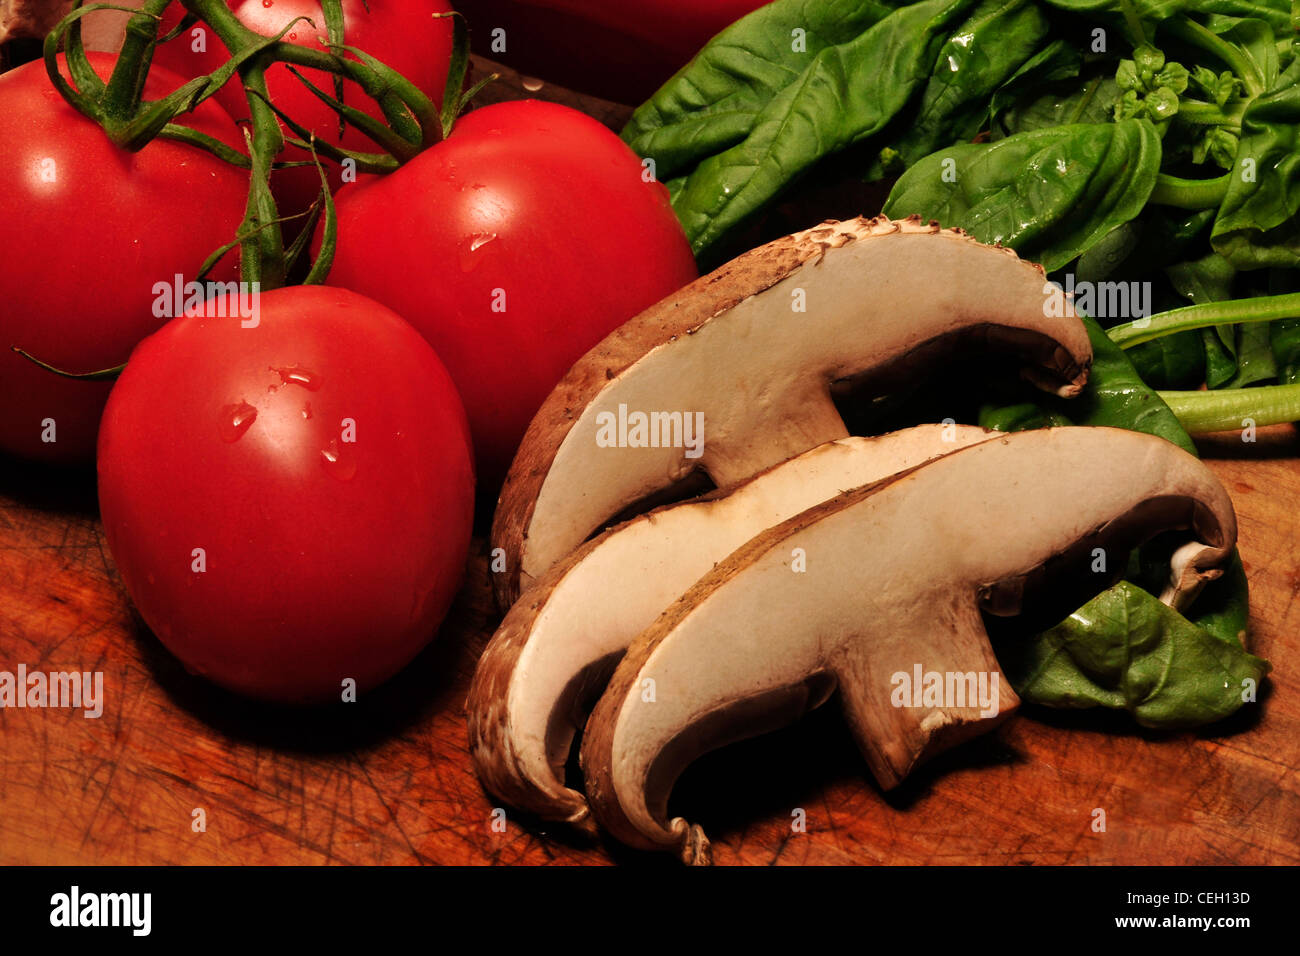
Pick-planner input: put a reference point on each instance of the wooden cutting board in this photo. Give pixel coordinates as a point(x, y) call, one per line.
point(388, 779)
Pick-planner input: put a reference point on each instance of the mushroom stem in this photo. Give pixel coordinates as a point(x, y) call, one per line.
point(894, 739)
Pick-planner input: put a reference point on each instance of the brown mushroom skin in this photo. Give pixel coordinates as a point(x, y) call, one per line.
point(986, 522)
point(959, 289)
point(547, 663)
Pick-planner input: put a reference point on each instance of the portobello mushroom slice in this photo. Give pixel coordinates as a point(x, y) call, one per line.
point(733, 374)
point(547, 663)
point(897, 574)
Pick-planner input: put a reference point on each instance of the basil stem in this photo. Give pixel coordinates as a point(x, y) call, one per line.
point(1266, 308)
point(1190, 193)
point(1231, 409)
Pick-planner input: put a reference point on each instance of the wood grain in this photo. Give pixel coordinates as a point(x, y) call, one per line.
point(388, 780)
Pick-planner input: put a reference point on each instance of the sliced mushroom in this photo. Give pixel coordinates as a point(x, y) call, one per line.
point(549, 659)
point(754, 348)
point(896, 576)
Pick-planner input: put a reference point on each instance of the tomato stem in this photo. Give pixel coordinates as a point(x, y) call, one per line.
point(413, 121)
point(125, 88)
point(365, 162)
point(99, 376)
point(333, 11)
point(83, 97)
point(261, 254)
point(184, 134)
point(320, 269)
point(381, 134)
point(453, 102)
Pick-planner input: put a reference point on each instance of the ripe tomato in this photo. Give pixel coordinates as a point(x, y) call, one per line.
point(88, 230)
point(620, 51)
point(400, 33)
point(289, 505)
point(514, 246)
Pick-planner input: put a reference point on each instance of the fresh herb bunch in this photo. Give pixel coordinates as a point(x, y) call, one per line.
point(1152, 140)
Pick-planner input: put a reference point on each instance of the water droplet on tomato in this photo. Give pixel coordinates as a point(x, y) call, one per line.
point(306, 410)
point(235, 420)
point(292, 36)
point(340, 461)
point(296, 375)
point(268, 3)
point(470, 245)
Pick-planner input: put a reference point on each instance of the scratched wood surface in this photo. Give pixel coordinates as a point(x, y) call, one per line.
point(388, 780)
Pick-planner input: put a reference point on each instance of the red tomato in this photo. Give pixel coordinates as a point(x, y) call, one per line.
point(400, 33)
point(88, 230)
point(320, 461)
point(620, 51)
point(514, 246)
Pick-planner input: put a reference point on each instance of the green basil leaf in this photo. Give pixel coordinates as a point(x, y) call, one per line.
point(1051, 194)
point(1059, 60)
point(1021, 417)
point(1255, 359)
point(1125, 650)
point(1258, 224)
point(1172, 361)
point(979, 55)
point(1286, 350)
point(1276, 13)
point(1164, 236)
point(1148, 61)
point(1109, 253)
point(848, 93)
point(1254, 39)
point(1208, 279)
point(1090, 100)
point(1220, 355)
point(712, 103)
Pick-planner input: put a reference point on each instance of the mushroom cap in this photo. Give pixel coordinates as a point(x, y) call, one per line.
point(748, 355)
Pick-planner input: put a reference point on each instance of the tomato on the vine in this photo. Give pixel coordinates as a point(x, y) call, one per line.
point(403, 34)
point(514, 246)
point(90, 229)
point(289, 504)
